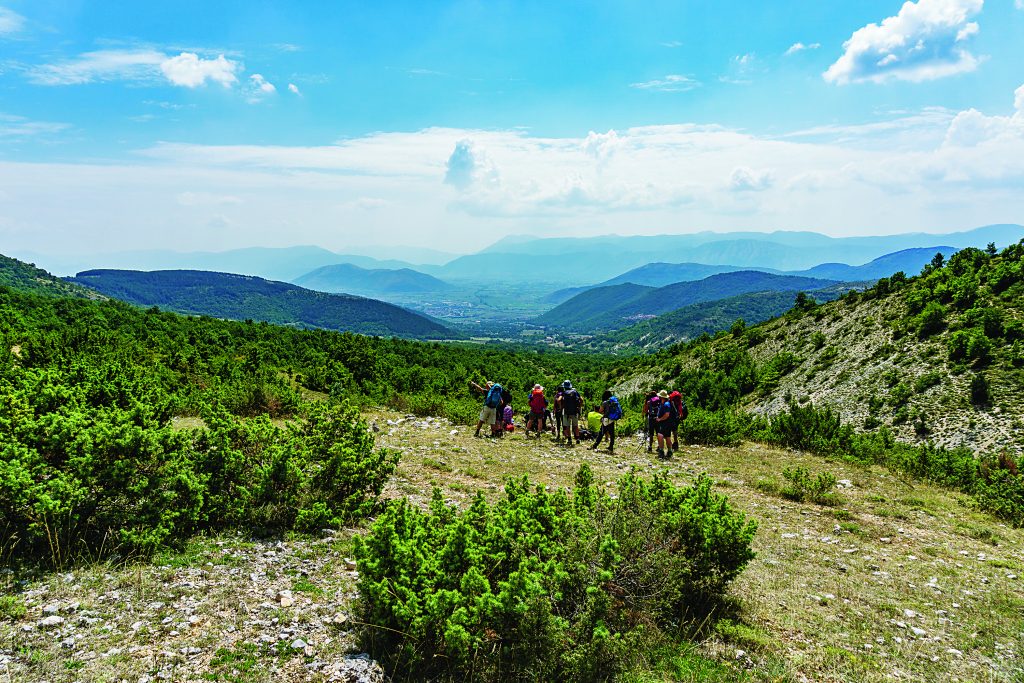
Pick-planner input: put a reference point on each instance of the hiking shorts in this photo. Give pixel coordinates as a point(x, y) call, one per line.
point(488, 415)
point(537, 417)
point(664, 428)
point(570, 421)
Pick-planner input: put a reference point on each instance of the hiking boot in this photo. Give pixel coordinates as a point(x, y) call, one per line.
point(661, 453)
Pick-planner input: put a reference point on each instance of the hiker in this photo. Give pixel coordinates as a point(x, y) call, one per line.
point(666, 414)
point(507, 424)
point(571, 404)
point(538, 407)
point(594, 420)
point(610, 412)
point(558, 414)
point(492, 402)
point(651, 402)
point(680, 406)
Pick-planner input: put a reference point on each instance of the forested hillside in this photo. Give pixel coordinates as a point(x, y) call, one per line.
point(934, 358)
point(243, 297)
point(694, 320)
point(618, 306)
point(27, 278)
point(351, 279)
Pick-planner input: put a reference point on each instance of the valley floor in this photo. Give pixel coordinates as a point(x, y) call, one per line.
point(899, 581)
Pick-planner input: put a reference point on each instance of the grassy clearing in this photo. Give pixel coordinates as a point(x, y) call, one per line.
point(896, 580)
point(892, 576)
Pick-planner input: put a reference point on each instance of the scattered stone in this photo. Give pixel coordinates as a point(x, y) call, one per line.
point(285, 599)
point(51, 621)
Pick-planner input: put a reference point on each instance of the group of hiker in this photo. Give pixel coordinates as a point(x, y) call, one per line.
point(662, 412)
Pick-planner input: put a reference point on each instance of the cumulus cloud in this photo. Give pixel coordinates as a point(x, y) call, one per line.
point(190, 70)
point(971, 128)
point(294, 89)
point(187, 69)
point(746, 179)
point(670, 83)
point(799, 47)
point(924, 41)
point(601, 145)
point(468, 167)
point(10, 22)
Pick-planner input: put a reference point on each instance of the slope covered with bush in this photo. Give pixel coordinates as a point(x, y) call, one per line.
point(605, 308)
point(244, 297)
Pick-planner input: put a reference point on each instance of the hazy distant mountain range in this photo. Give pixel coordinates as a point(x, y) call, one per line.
point(618, 306)
point(577, 261)
point(242, 297)
point(565, 262)
point(910, 261)
point(345, 277)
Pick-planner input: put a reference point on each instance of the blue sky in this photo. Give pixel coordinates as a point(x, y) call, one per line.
point(197, 125)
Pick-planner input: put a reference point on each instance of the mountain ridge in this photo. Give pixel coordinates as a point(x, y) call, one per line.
point(241, 297)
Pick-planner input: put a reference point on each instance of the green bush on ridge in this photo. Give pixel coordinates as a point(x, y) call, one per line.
point(545, 585)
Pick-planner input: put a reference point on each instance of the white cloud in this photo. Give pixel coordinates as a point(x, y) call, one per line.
point(294, 89)
point(676, 43)
point(799, 47)
point(670, 83)
point(924, 41)
point(18, 127)
point(971, 128)
point(259, 89)
point(10, 22)
point(742, 68)
point(468, 166)
point(191, 198)
point(745, 179)
point(931, 170)
point(190, 70)
point(140, 65)
point(1019, 4)
point(365, 204)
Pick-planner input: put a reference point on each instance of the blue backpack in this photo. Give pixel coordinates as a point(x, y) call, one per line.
point(616, 411)
point(493, 399)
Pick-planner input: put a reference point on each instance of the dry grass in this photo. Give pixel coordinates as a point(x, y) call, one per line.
point(834, 594)
point(827, 598)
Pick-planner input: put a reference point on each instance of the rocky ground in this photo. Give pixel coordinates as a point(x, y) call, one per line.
point(898, 581)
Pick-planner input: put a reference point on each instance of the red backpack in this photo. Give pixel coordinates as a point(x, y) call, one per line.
point(538, 402)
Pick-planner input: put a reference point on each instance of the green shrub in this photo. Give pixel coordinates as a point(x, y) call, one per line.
point(801, 486)
point(714, 428)
point(927, 381)
point(545, 586)
point(931, 320)
point(981, 392)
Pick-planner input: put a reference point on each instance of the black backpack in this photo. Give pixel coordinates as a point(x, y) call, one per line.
point(571, 402)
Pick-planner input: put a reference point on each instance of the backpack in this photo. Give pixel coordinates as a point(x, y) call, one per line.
point(616, 410)
point(537, 402)
point(672, 412)
point(571, 402)
point(493, 399)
